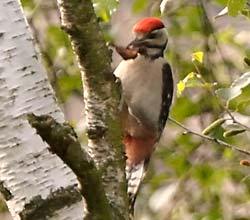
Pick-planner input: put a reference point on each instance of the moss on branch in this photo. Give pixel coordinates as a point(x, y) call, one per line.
point(39, 208)
point(101, 98)
point(63, 141)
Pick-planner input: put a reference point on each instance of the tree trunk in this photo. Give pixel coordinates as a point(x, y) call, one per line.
point(101, 98)
point(35, 183)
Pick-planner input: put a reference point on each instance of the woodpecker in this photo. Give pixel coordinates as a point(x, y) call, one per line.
point(147, 91)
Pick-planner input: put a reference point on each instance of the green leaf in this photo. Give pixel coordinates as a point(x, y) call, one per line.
point(242, 81)
point(180, 88)
point(241, 103)
point(213, 126)
point(223, 12)
point(191, 81)
point(243, 107)
point(198, 56)
point(234, 6)
point(182, 84)
point(232, 126)
point(233, 132)
point(228, 93)
point(235, 89)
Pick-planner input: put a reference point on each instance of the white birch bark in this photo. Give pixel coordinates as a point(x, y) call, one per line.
point(27, 168)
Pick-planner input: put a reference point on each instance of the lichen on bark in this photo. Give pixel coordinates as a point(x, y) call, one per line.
point(101, 98)
point(62, 141)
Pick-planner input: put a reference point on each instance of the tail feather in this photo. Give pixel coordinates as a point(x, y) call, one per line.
point(137, 149)
point(135, 175)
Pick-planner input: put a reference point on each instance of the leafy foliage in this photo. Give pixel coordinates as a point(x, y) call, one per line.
point(235, 89)
point(235, 6)
point(105, 8)
point(208, 56)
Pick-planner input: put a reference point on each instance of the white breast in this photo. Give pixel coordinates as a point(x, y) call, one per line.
point(141, 80)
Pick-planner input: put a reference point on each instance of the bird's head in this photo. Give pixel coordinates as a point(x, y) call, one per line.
point(150, 37)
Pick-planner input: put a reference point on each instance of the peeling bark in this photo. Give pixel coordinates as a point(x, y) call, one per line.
point(28, 171)
point(101, 99)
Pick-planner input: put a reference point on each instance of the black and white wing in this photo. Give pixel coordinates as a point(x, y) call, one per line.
point(167, 95)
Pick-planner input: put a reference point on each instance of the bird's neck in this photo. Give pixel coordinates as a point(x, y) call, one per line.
point(152, 51)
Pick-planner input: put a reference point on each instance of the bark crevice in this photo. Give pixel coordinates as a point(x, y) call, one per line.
point(5, 191)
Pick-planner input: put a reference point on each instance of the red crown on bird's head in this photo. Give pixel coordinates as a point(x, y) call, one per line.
point(147, 25)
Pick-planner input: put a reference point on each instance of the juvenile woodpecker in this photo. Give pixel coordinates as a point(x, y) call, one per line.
point(147, 91)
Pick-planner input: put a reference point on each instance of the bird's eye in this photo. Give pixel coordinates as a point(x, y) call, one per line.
point(152, 35)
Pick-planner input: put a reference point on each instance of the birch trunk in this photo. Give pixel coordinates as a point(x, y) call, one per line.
point(35, 183)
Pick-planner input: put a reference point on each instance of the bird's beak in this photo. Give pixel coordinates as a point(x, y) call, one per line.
point(135, 44)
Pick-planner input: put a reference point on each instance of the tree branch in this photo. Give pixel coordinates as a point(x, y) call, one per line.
point(63, 142)
point(217, 141)
point(101, 99)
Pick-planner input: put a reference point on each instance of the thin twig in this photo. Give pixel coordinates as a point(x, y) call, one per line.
point(218, 141)
point(212, 92)
point(236, 121)
point(209, 25)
